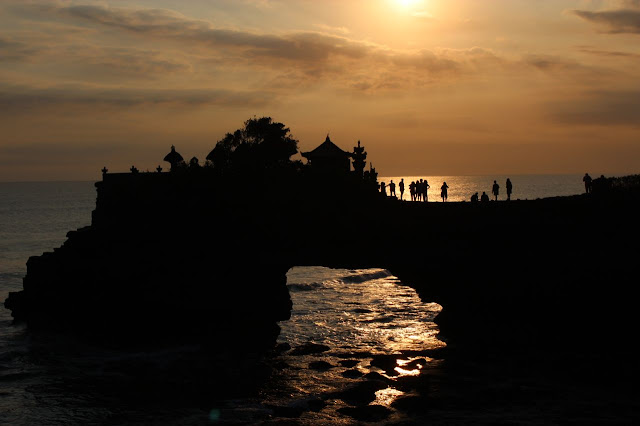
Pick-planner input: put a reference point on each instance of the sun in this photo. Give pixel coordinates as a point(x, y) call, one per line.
point(406, 4)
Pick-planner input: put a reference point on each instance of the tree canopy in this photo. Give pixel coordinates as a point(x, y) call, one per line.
point(261, 143)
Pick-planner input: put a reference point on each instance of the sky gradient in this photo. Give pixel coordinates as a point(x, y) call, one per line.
point(438, 87)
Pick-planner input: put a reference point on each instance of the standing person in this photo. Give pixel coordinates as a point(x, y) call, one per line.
point(588, 186)
point(509, 189)
point(401, 186)
point(412, 190)
point(419, 186)
point(443, 192)
point(425, 191)
point(383, 188)
point(496, 189)
point(392, 189)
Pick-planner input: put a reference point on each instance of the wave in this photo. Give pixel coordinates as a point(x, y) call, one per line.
point(365, 276)
point(383, 319)
point(304, 287)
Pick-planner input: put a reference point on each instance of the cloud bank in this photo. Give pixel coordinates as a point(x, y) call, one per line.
point(308, 55)
point(616, 21)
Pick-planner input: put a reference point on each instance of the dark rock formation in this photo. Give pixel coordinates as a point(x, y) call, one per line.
point(194, 253)
point(352, 374)
point(361, 393)
point(320, 365)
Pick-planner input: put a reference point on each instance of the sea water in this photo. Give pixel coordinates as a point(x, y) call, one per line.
point(356, 314)
point(525, 187)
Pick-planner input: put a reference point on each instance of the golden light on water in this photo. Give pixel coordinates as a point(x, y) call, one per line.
point(408, 367)
point(386, 396)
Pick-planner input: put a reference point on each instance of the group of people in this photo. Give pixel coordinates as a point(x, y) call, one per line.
point(599, 185)
point(419, 190)
point(495, 190)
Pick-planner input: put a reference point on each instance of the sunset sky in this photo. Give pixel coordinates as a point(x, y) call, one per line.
point(439, 87)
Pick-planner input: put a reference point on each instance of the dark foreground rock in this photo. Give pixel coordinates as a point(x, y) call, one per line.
point(361, 393)
point(368, 413)
point(320, 365)
point(352, 374)
point(537, 388)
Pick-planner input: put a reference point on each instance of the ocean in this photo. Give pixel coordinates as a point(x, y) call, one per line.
point(525, 187)
point(361, 316)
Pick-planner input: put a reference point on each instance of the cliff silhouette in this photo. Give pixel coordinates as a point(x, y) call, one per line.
point(195, 252)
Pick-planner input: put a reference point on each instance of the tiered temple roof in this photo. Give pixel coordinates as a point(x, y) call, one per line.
point(326, 150)
point(329, 157)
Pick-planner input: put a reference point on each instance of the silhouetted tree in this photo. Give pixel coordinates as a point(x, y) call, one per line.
point(261, 143)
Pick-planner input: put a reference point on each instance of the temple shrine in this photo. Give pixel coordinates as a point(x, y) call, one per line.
point(328, 157)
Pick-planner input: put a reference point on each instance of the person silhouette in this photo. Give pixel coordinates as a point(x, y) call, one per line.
point(383, 188)
point(474, 198)
point(588, 183)
point(401, 187)
point(412, 190)
point(443, 191)
point(425, 191)
point(392, 189)
point(484, 198)
point(509, 189)
point(496, 189)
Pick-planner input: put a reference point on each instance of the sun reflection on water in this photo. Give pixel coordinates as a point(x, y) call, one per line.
point(386, 397)
point(368, 320)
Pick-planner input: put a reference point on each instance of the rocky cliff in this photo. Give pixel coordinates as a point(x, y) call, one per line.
point(170, 255)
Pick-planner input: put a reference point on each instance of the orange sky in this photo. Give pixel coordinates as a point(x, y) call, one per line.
point(429, 86)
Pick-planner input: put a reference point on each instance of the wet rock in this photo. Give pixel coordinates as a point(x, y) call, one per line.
point(369, 413)
point(411, 404)
point(411, 383)
point(362, 311)
point(352, 374)
point(388, 363)
point(320, 365)
point(287, 411)
point(349, 363)
point(377, 377)
point(317, 405)
point(361, 393)
point(282, 422)
point(281, 365)
point(437, 353)
point(282, 348)
point(415, 364)
point(309, 349)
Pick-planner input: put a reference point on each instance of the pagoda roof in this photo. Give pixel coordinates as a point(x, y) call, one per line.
point(326, 149)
